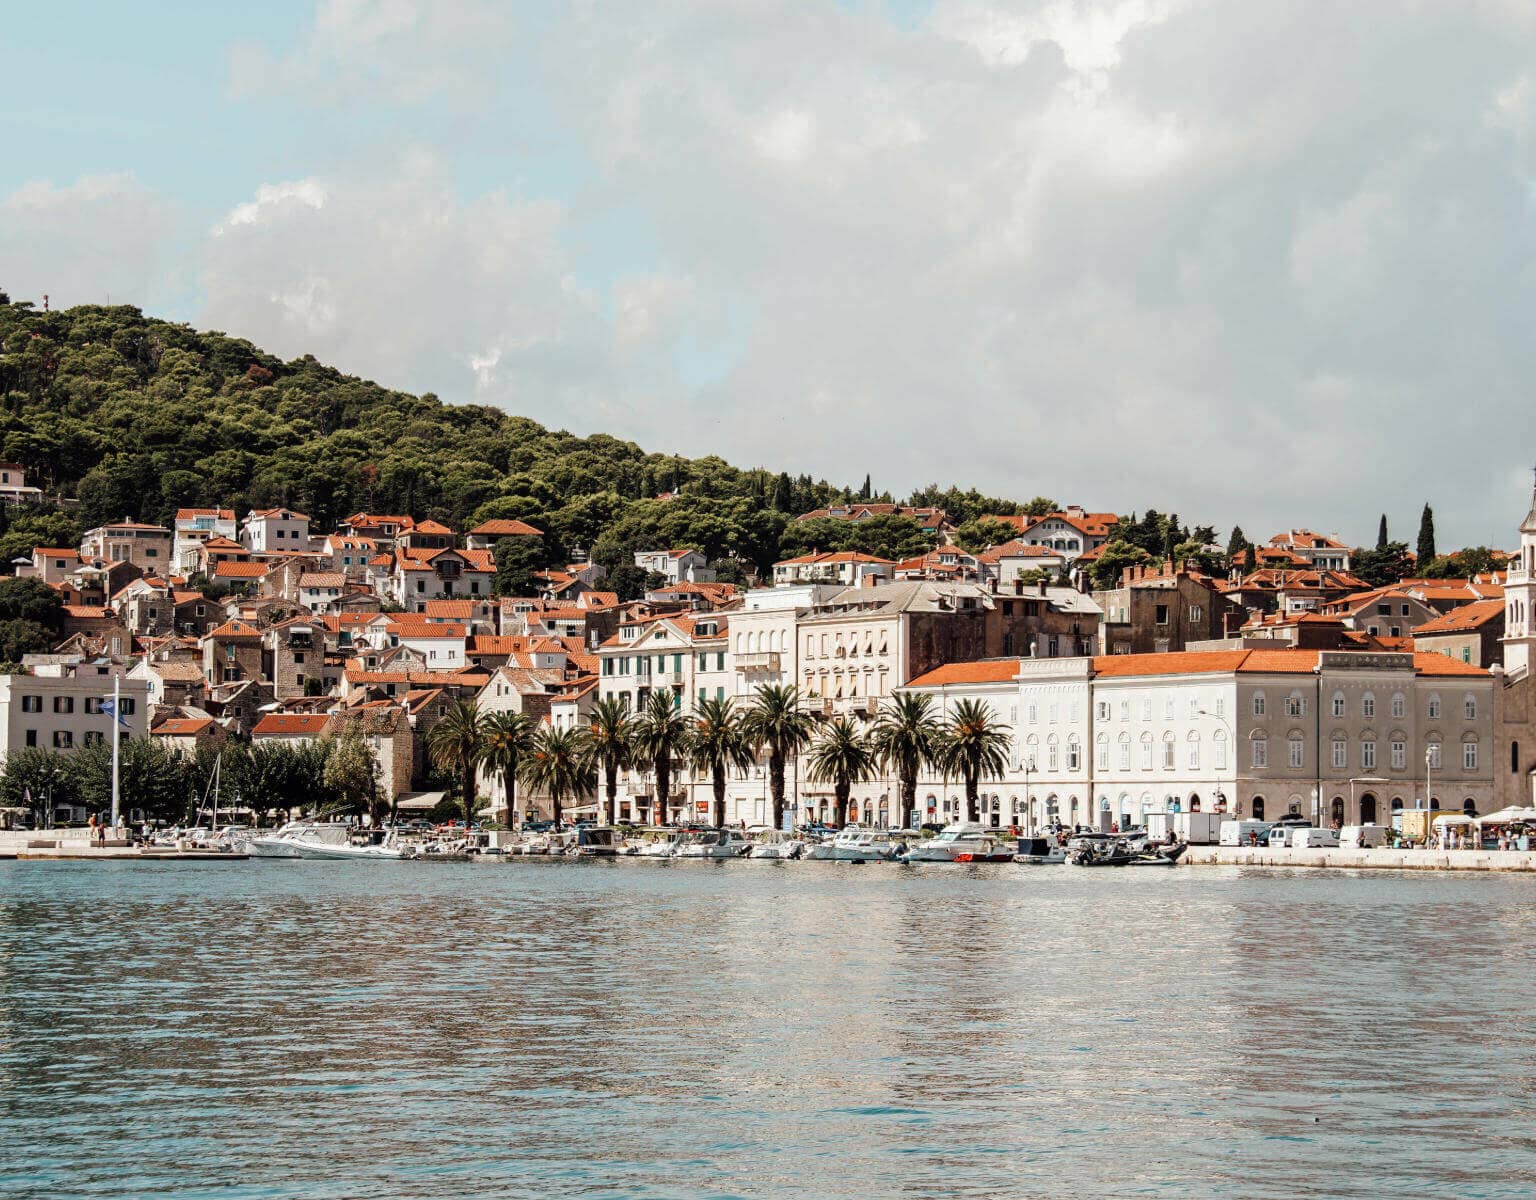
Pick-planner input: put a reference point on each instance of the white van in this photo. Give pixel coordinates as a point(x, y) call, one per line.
point(1310, 837)
point(1242, 833)
point(1363, 837)
point(1281, 835)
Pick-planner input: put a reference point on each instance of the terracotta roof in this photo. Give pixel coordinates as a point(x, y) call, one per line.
point(987, 670)
point(74, 554)
point(427, 630)
point(182, 727)
point(841, 556)
point(218, 514)
point(293, 515)
point(83, 612)
point(239, 570)
point(181, 672)
point(433, 527)
point(323, 579)
point(507, 528)
point(1468, 616)
point(235, 629)
point(463, 609)
point(135, 525)
point(291, 725)
point(497, 645)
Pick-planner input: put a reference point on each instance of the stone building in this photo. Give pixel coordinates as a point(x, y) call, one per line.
point(1158, 609)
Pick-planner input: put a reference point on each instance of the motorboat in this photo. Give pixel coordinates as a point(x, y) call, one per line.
point(986, 852)
point(597, 841)
point(1038, 852)
point(661, 847)
point(712, 843)
point(854, 844)
point(775, 843)
point(287, 841)
point(1124, 852)
point(954, 840)
point(375, 845)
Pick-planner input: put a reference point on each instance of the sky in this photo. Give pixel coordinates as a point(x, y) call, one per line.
point(1268, 263)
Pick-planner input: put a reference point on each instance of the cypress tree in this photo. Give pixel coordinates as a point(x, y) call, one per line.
point(1170, 536)
point(867, 490)
point(1426, 535)
point(1381, 533)
point(1237, 544)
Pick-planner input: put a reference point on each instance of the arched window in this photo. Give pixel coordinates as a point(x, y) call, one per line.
point(1469, 752)
point(1432, 756)
point(1193, 751)
point(1220, 737)
point(1074, 753)
point(1336, 810)
point(1194, 803)
point(1125, 751)
point(1051, 753)
point(1146, 752)
point(1469, 807)
point(1433, 707)
point(1258, 748)
point(1399, 707)
point(1295, 750)
point(1367, 809)
point(1469, 706)
point(1170, 752)
point(1368, 705)
point(1101, 752)
point(1338, 704)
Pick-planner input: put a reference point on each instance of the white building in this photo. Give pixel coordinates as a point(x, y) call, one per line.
point(57, 706)
point(676, 565)
point(275, 529)
point(193, 528)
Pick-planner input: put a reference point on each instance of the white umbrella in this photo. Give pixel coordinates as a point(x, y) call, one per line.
point(1507, 816)
point(1448, 819)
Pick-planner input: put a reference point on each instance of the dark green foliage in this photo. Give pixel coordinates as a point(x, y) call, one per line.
point(1384, 565)
point(982, 532)
point(1475, 560)
point(1426, 546)
point(895, 538)
point(1238, 544)
point(1381, 533)
point(1118, 554)
point(31, 618)
point(517, 558)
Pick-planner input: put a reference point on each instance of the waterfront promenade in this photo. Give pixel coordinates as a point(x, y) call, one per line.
point(1375, 859)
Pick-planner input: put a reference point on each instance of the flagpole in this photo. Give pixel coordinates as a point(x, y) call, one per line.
point(117, 721)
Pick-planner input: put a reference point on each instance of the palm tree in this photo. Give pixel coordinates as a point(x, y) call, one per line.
point(457, 743)
point(561, 765)
point(608, 742)
point(509, 738)
point(842, 756)
point(717, 743)
point(907, 737)
point(775, 722)
point(975, 743)
point(659, 731)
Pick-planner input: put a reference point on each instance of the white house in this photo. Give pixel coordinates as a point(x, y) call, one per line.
point(272, 529)
point(676, 565)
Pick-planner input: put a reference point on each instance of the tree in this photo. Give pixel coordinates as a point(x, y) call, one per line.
point(729, 570)
point(983, 532)
point(867, 490)
point(1381, 533)
point(630, 582)
point(1426, 547)
point(1239, 545)
point(517, 558)
point(509, 738)
point(36, 779)
point(150, 778)
point(659, 733)
point(1384, 565)
point(31, 600)
point(975, 744)
point(906, 738)
point(351, 775)
point(1116, 556)
point(841, 755)
point(560, 766)
point(716, 744)
point(1041, 506)
point(456, 744)
point(776, 723)
point(609, 743)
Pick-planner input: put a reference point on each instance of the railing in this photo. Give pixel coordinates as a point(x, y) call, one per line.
point(767, 660)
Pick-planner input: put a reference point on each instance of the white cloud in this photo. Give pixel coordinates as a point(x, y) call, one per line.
point(271, 196)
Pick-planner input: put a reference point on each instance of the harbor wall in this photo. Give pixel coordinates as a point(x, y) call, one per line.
point(1355, 860)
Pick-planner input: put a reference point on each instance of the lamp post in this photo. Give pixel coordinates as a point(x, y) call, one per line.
point(1029, 804)
point(1429, 787)
point(1232, 741)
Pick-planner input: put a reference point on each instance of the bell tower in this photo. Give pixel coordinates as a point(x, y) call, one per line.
point(1519, 600)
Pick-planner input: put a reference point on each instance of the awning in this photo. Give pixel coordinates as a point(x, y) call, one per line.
point(1451, 819)
point(1506, 816)
point(419, 801)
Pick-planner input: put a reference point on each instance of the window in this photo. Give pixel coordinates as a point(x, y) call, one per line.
point(1101, 710)
point(32, 704)
point(1295, 705)
point(63, 704)
point(1194, 613)
point(127, 705)
point(94, 737)
point(1340, 754)
point(1399, 755)
point(1367, 756)
point(1194, 752)
point(1258, 704)
point(92, 705)
point(1221, 706)
point(1168, 709)
point(1125, 752)
point(1125, 710)
point(1101, 753)
point(1295, 752)
point(1146, 752)
point(1469, 707)
point(1432, 757)
point(1051, 754)
point(63, 739)
point(1074, 754)
point(1469, 755)
point(1338, 704)
point(1146, 710)
point(1399, 705)
point(1260, 752)
point(1034, 714)
point(1434, 706)
point(31, 737)
point(1162, 614)
point(1368, 705)
point(1169, 753)
point(1221, 749)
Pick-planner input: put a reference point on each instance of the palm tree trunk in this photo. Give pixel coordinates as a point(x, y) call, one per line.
point(908, 800)
point(509, 785)
point(554, 797)
point(972, 809)
point(469, 794)
point(776, 786)
point(663, 768)
point(719, 785)
point(611, 773)
point(840, 794)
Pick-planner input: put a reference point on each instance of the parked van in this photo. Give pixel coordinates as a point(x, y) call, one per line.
point(1243, 833)
point(1362, 837)
point(1282, 836)
point(1310, 838)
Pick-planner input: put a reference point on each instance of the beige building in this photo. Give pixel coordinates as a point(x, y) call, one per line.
point(147, 547)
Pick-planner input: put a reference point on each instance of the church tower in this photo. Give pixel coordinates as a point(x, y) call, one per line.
point(1520, 600)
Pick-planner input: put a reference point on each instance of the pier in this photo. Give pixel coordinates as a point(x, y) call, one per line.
point(41, 846)
point(1379, 859)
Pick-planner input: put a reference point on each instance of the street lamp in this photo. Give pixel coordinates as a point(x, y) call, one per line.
point(1220, 798)
point(1429, 787)
point(1029, 805)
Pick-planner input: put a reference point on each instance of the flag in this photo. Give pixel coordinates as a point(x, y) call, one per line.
point(109, 709)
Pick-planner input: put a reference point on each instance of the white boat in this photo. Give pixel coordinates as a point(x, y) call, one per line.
point(657, 848)
point(287, 840)
point(597, 841)
point(378, 844)
point(775, 843)
point(712, 843)
point(1039, 852)
point(856, 845)
point(960, 837)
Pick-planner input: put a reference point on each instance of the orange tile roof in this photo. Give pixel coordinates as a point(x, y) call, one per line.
point(450, 608)
point(322, 579)
point(235, 629)
point(508, 528)
point(293, 514)
point(987, 670)
point(182, 727)
point(240, 570)
point(291, 725)
point(432, 527)
point(1468, 616)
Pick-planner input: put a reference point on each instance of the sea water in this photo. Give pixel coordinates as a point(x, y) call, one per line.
point(719, 1029)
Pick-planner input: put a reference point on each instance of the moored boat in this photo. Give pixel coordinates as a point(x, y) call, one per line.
point(854, 844)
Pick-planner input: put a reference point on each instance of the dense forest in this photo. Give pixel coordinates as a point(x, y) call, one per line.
point(137, 417)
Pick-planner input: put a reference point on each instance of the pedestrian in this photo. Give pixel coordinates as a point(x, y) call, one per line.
point(90, 826)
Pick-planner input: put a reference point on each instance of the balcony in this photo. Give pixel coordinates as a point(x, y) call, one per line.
point(767, 660)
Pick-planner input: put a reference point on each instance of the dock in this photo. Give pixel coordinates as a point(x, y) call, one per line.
point(1378, 859)
point(39, 847)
